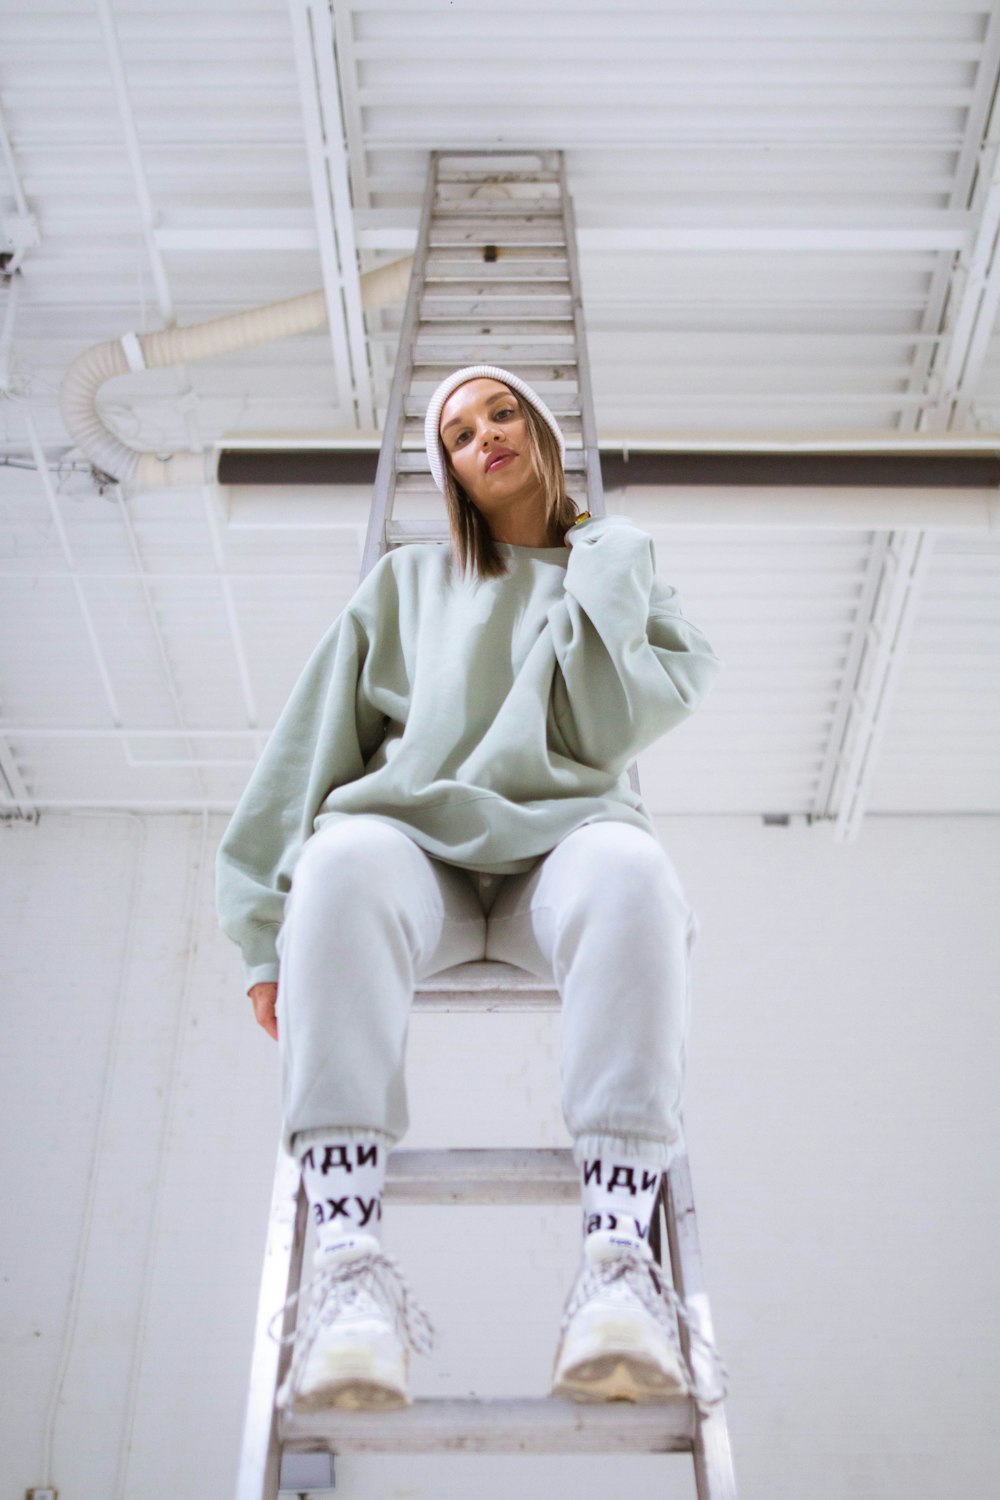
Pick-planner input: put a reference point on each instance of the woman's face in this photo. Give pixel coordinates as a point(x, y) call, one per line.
point(480, 419)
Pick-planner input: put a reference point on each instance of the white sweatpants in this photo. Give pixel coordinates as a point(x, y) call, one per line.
point(602, 914)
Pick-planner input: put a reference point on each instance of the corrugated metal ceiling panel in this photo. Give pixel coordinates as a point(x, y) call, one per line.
point(769, 204)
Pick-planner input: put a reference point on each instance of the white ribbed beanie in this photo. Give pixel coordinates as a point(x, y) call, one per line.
point(432, 439)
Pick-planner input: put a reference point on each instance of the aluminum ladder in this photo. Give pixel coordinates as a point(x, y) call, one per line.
point(496, 281)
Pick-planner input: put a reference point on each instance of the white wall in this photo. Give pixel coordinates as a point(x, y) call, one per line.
point(842, 1122)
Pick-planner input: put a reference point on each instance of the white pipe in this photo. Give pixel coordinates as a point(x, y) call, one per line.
point(813, 508)
point(150, 351)
point(737, 508)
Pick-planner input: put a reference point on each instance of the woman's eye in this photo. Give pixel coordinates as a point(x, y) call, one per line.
point(509, 410)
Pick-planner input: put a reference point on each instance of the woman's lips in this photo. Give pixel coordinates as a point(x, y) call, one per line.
point(507, 458)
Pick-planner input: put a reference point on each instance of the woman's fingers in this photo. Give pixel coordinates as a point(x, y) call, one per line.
point(264, 998)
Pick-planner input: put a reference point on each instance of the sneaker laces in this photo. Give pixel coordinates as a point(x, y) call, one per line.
point(338, 1283)
point(632, 1269)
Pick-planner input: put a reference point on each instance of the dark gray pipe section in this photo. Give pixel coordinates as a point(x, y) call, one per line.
point(356, 466)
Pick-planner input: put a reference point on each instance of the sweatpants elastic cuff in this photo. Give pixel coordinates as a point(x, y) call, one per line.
point(658, 1154)
point(301, 1140)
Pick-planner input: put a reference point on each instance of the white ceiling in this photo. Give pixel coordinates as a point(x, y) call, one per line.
point(787, 223)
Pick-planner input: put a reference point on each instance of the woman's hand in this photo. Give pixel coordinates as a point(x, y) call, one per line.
point(581, 518)
point(264, 999)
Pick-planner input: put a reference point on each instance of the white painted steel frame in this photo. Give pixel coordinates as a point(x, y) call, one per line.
point(320, 89)
point(19, 800)
point(964, 302)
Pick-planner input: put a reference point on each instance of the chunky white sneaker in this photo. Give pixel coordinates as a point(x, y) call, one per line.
point(351, 1345)
point(619, 1339)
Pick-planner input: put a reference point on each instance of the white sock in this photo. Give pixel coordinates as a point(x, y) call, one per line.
point(344, 1180)
point(618, 1193)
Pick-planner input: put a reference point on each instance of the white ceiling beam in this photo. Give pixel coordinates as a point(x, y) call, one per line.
point(667, 13)
point(899, 563)
point(899, 576)
point(975, 297)
point(391, 234)
point(219, 238)
point(741, 507)
point(354, 125)
point(621, 238)
point(140, 186)
point(387, 229)
point(78, 577)
point(336, 240)
point(185, 398)
point(131, 804)
point(657, 89)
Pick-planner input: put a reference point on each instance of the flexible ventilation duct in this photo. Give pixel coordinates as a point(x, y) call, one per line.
point(152, 351)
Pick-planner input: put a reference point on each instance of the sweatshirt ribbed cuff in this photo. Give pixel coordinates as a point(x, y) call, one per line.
point(260, 956)
point(260, 974)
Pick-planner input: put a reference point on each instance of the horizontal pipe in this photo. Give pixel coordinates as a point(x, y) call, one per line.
point(285, 507)
point(636, 468)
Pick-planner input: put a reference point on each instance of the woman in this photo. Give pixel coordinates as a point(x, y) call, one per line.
point(448, 782)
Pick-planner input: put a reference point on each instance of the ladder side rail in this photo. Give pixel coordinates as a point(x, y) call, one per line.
point(713, 1461)
point(588, 421)
point(260, 1456)
point(376, 540)
point(260, 1452)
point(595, 483)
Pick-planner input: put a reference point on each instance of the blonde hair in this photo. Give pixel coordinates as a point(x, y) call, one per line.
point(471, 542)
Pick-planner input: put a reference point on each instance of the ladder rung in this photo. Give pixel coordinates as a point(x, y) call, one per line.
point(539, 176)
point(540, 1174)
point(525, 262)
point(417, 464)
point(493, 349)
point(401, 533)
point(484, 983)
point(572, 429)
point(499, 287)
point(491, 279)
point(419, 491)
point(539, 179)
point(558, 372)
point(512, 230)
point(487, 210)
point(546, 1424)
point(490, 163)
point(480, 302)
point(516, 330)
point(561, 397)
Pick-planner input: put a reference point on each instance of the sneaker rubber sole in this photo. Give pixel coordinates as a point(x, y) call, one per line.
point(613, 1362)
point(353, 1379)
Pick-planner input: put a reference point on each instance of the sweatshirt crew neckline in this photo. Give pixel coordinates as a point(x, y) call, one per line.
point(512, 549)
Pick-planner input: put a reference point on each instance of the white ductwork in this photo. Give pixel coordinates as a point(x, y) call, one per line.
point(151, 351)
point(969, 510)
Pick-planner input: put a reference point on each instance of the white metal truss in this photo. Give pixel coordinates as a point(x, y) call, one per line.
point(345, 61)
point(900, 561)
point(319, 89)
point(18, 802)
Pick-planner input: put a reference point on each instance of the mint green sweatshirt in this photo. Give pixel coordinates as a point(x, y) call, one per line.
point(485, 718)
